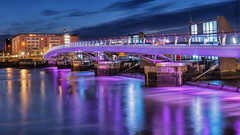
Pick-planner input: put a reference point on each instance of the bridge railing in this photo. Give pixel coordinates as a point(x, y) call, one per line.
point(162, 40)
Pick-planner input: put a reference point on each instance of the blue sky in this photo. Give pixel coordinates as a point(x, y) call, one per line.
point(99, 18)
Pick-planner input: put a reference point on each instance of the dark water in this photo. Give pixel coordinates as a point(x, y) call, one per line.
point(229, 82)
point(51, 101)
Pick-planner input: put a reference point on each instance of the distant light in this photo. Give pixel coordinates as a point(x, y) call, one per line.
point(234, 41)
point(194, 56)
point(167, 41)
point(22, 53)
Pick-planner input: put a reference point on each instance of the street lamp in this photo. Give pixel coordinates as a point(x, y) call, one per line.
point(23, 54)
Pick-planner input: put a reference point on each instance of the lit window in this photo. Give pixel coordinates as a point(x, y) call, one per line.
point(194, 29)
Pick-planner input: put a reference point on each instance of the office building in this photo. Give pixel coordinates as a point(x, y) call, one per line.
point(37, 44)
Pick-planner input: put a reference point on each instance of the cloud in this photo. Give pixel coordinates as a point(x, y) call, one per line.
point(160, 7)
point(174, 22)
point(49, 12)
point(77, 13)
point(127, 5)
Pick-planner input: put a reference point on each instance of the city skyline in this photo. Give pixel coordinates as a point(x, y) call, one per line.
point(95, 19)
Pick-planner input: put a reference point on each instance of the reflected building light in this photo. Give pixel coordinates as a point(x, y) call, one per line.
point(197, 116)
point(180, 121)
point(215, 119)
point(166, 120)
point(24, 92)
point(9, 85)
point(42, 88)
point(9, 73)
point(134, 108)
point(101, 105)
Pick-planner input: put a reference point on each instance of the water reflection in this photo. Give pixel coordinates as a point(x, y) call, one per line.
point(197, 115)
point(134, 108)
point(180, 121)
point(24, 93)
point(215, 117)
point(52, 101)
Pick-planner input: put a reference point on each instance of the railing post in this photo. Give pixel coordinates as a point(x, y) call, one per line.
point(164, 40)
point(135, 41)
point(115, 42)
point(110, 42)
point(189, 40)
point(176, 40)
point(234, 40)
point(224, 39)
point(105, 42)
point(144, 40)
point(205, 40)
point(153, 40)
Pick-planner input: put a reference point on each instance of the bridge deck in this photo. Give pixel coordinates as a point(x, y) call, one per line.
point(200, 50)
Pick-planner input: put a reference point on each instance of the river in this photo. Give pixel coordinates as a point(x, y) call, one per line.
point(52, 101)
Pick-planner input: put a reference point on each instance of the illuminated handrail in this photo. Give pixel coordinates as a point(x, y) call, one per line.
point(173, 40)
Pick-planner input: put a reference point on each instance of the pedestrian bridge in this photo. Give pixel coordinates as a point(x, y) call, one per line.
point(223, 47)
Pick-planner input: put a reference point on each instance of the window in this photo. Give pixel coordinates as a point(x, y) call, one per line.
point(210, 27)
point(194, 29)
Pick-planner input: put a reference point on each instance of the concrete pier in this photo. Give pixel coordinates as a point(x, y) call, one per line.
point(81, 66)
point(166, 74)
point(228, 68)
point(106, 68)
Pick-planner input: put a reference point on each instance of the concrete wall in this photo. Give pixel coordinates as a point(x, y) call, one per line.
point(106, 69)
point(228, 67)
point(164, 76)
point(144, 63)
point(223, 25)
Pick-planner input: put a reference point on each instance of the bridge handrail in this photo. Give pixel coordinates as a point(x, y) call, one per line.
point(187, 40)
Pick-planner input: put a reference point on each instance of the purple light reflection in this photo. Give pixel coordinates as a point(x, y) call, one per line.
point(166, 120)
point(180, 121)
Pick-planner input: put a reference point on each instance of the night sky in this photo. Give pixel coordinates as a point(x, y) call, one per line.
point(94, 19)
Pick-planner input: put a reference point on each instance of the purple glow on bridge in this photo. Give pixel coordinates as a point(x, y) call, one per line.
point(229, 47)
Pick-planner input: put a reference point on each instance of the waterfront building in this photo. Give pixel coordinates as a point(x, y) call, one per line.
point(210, 31)
point(37, 44)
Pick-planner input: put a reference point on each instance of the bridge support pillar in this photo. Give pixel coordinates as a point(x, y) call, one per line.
point(167, 74)
point(106, 68)
point(228, 68)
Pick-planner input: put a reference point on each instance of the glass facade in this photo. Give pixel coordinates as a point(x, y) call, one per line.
point(210, 27)
point(209, 31)
point(194, 29)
